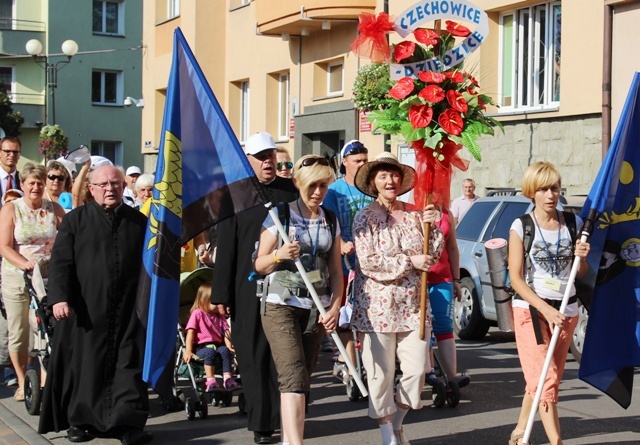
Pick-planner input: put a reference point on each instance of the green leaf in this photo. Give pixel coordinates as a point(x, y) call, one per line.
point(469, 141)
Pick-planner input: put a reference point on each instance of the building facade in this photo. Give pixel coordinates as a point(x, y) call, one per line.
point(86, 96)
point(287, 68)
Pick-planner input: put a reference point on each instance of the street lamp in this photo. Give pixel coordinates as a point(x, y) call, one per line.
point(69, 49)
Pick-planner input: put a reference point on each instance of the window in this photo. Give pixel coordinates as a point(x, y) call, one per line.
point(334, 78)
point(244, 111)
point(283, 106)
point(239, 3)
point(108, 17)
point(112, 150)
point(167, 10)
point(6, 14)
point(106, 88)
point(530, 41)
point(7, 80)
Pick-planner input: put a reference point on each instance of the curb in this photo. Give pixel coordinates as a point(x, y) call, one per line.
point(21, 428)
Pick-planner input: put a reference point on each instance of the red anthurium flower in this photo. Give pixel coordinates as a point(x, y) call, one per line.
point(481, 103)
point(431, 76)
point(432, 93)
point(457, 29)
point(426, 36)
point(472, 79)
point(420, 115)
point(402, 88)
point(454, 76)
point(471, 90)
point(403, 50)
point(451, 121)
point(456, 101)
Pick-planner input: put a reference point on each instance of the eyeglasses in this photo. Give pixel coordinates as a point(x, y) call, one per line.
point(103, 185)
point(284, 165)
point(10, 152)
point(53, 177)
point(357, 149)
point(310, 161)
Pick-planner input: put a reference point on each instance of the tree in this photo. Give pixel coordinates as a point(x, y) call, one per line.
point(10, 121)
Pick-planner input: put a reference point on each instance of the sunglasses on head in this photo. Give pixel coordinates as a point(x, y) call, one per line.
point(357, 150)
point(53, 177)
point(310, 161)
point(284, 165)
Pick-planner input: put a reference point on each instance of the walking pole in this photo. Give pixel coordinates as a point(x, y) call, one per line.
point(318, 303)
point(554, 338)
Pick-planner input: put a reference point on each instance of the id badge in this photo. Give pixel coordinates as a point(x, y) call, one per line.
point(314, 276)
point(552, 283)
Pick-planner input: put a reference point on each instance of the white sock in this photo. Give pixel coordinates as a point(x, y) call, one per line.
point(388, 437)
point(286, 443)
point(398, 418)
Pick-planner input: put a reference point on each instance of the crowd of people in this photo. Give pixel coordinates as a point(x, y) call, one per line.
point(83, 229)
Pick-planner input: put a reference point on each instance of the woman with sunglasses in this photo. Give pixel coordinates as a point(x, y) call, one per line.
point(289, 321)
point(58, 181)
point(28, 228)
point(284, 166)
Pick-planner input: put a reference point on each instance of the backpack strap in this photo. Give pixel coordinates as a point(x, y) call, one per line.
point(570, 221)
point(284, 216)
point(332, 220)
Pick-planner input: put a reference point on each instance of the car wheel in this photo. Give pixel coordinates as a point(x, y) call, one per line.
point(468, 322)
point(577, 342)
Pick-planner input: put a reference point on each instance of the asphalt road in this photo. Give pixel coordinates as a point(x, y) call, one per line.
point(486, 414)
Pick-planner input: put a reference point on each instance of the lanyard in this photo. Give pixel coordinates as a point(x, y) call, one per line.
point(306, 227)
point(552, 259)
point(360, 203)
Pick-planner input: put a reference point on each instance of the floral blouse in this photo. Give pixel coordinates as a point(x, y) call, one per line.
point(387, 286)
point(34, 232)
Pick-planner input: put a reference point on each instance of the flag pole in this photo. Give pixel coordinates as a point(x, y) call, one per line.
point(318, 303)
point(586, 232)
point(424, 288)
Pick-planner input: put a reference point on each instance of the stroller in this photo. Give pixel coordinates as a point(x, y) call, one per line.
point(193, 372)
point(443, 389)
point(36, 286)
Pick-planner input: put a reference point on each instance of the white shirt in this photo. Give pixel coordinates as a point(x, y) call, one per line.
point(460, 206)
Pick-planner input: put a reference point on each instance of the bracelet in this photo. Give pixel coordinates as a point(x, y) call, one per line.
point(275, 256)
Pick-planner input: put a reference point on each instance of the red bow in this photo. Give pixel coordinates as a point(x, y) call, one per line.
point(371, 41)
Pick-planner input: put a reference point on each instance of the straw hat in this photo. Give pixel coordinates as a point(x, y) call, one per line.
point(362, 180)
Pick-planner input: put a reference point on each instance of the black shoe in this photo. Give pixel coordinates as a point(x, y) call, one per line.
point(262, 436)
point(76, 434)
point(462, 380)
point(136, 437)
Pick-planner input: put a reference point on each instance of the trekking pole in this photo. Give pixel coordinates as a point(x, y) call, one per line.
point(319, 306)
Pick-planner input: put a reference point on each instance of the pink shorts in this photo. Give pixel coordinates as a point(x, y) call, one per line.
point(533, 355)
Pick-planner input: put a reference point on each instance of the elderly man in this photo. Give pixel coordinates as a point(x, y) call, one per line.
point(231, 286)
point(94, 379)
point(460, 206)
point(130, 193)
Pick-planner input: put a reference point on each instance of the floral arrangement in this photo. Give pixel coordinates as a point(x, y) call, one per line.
point(52, 142)
point(436, 111)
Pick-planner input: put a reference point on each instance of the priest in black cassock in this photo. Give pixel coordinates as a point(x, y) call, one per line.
point(231, 287)
point(94, 381)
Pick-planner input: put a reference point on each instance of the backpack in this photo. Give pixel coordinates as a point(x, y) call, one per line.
point(527, 241)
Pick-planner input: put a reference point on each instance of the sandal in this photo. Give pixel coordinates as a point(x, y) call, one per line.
point(19, 395)
point(230, 383)
point(515, 437)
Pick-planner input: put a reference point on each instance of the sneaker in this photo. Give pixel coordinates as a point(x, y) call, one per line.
point(211, 386)
point(432, 379)
point(341, 371)
point(462, 380)
point(230, 383)
point(11, 380)
point(326, 345)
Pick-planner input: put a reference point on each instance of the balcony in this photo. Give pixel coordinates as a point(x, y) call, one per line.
point(14, 34)
point(276, 16)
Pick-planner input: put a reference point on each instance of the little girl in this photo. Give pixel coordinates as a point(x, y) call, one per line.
point(208, 332)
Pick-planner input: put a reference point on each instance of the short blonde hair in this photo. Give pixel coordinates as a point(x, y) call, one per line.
point(539, 175)
point(305, 176)
point(37, 171)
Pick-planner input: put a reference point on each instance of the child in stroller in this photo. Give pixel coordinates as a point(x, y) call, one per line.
point(209, 333)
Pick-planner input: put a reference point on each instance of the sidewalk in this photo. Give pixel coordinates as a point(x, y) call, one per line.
point(13, 431)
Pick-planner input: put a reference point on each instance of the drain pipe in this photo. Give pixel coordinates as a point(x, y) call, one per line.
point(606, 78)
point(387, 137)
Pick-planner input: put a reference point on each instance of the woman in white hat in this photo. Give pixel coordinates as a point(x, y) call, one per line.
point(389, 243)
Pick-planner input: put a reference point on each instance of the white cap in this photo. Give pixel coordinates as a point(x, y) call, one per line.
point(99, 161)
point(133, 170)
point(259, 142)
point(70, 166)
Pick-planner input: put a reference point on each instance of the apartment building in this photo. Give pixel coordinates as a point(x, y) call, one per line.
point(85, 94)
point(286, 68)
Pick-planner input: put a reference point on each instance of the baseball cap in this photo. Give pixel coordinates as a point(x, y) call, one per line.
point(353, 147)
point(133, 170)
point(70, 166)
point(99, 161)
point(259, 142)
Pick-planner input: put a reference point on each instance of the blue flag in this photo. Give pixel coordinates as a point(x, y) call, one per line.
point(612, 344)
point(202, 177)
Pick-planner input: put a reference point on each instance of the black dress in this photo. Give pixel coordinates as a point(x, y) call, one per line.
point(236, 242)
point(94, 376)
